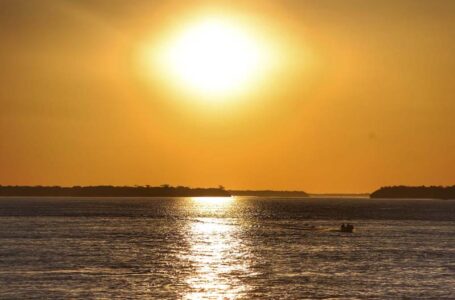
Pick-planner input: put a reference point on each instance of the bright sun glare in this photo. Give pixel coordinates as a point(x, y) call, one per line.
point(214, 57)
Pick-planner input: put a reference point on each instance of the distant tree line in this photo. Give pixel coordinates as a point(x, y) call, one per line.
point(113, 191)
point(424, 192)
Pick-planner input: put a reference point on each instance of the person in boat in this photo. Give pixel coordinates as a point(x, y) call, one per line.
point(346, 227)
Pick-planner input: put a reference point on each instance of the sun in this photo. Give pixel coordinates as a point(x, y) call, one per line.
point(214, 57)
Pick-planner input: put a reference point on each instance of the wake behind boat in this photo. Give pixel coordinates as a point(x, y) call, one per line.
point(345, 227)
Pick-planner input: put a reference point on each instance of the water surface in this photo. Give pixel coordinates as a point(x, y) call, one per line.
point(225, 248)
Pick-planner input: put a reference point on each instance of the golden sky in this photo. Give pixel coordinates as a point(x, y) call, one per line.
point(360, 94)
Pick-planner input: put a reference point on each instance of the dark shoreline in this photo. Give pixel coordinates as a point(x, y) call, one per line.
point(415, 192)
point(392, 192)
point(111, 191)
point(137, 191)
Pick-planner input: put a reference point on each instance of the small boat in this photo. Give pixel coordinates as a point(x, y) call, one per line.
point(347, 228)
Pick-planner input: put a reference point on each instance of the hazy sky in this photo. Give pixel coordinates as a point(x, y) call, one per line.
point(365, 98)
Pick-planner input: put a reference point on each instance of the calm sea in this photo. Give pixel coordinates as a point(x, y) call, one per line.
point(226, 248)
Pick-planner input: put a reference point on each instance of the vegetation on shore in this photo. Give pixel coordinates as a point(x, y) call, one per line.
point(113, 191)
point(138, 191)
point(413, 192)
point(423, 192)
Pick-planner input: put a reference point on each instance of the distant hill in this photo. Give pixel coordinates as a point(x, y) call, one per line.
point(268, 193)
point(424, 192)
point(112, 191)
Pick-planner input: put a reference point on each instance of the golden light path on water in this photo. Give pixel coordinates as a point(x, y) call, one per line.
point(216, 252)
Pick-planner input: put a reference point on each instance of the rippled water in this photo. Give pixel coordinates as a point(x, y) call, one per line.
point(225, 248)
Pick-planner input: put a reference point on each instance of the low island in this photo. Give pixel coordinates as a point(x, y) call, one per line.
point(112, 191)
point(415, 192)
point(137, 191)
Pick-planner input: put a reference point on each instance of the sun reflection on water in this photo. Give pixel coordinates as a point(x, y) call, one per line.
point(217, 254)
point(212, 201)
